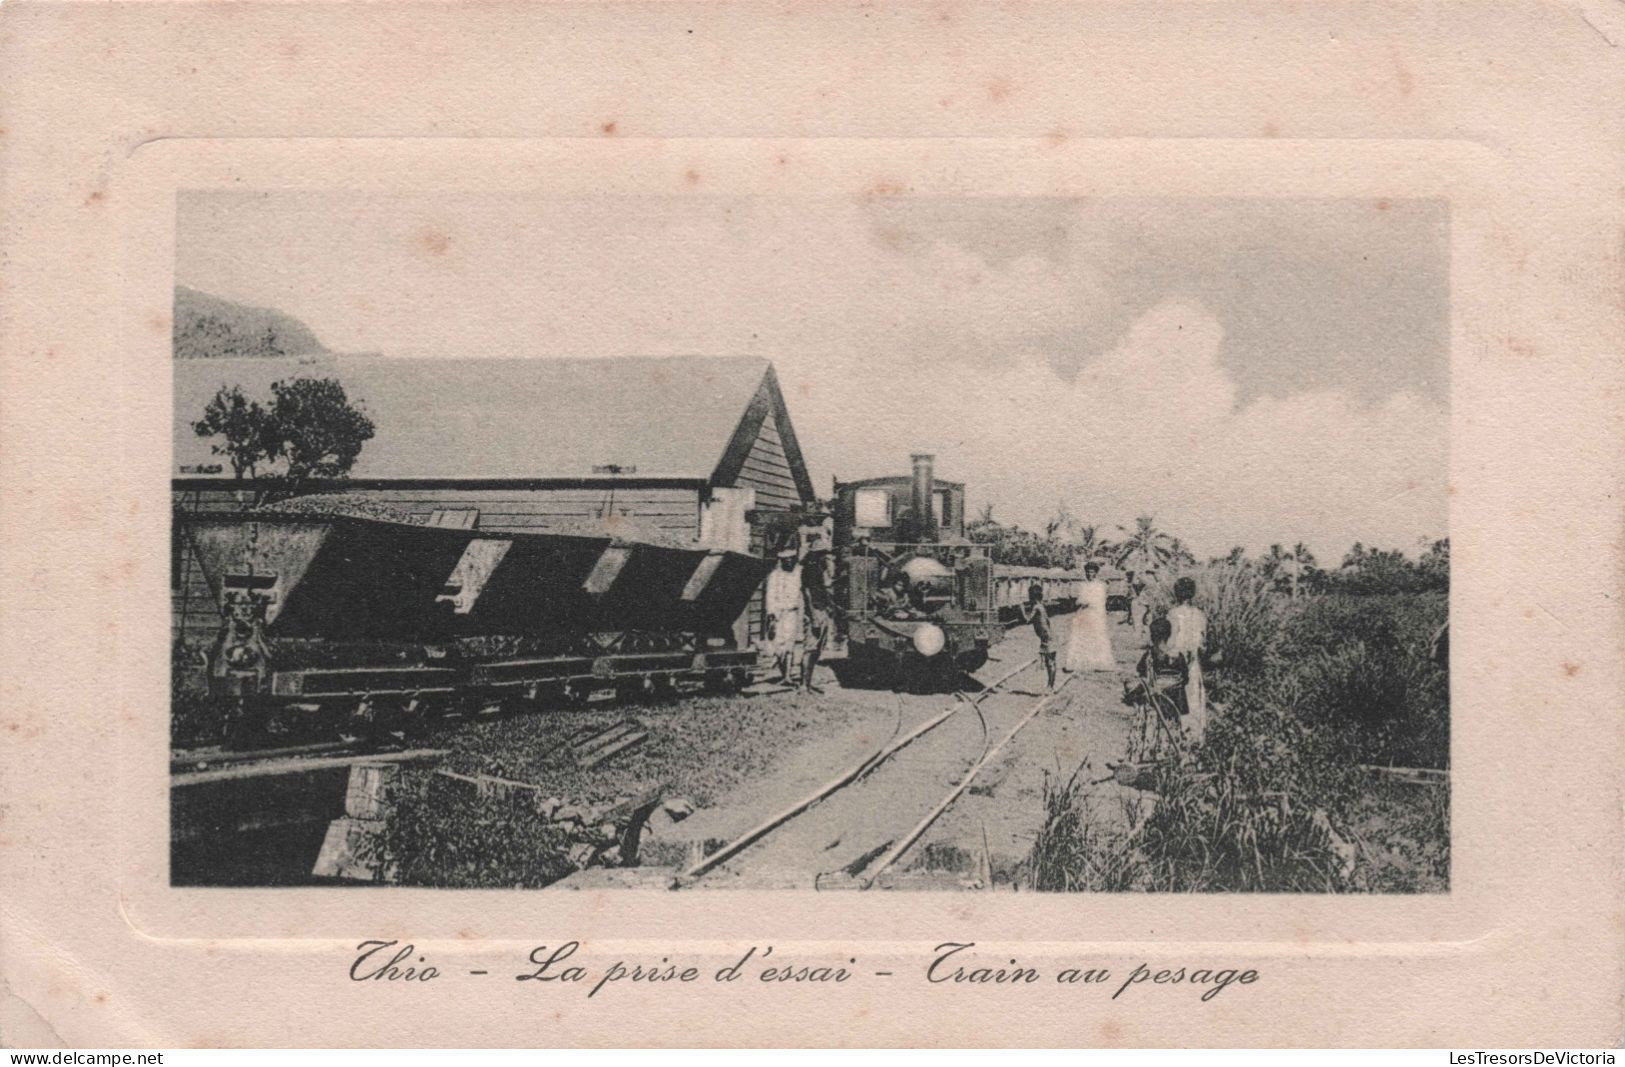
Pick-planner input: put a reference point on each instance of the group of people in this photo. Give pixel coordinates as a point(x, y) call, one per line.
point(1170, 668)
point(799, 608)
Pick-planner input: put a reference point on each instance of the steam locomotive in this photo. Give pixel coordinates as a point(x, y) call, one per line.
point(918, 604)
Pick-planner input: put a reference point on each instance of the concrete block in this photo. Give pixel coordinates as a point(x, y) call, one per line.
point(347, 851)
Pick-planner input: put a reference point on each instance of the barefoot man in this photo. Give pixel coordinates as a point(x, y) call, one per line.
point(818, 611)
point(1033, 611)
point(784, 606)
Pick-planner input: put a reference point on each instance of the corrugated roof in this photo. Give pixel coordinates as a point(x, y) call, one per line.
point(504, 418)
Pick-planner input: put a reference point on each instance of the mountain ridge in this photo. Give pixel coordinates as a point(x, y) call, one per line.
point(212, 327)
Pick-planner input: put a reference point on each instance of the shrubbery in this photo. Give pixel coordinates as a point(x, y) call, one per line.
point(1275, 798)
point(437, 836)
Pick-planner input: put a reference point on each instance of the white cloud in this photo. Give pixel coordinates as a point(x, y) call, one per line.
point(1153, 427)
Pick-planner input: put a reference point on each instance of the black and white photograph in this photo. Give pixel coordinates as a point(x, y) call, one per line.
point(920, 525)
point(899, 542)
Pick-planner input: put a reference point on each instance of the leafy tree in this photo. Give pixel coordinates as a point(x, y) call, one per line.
point(310, 424)
point(318, 431)
point(1179, 554)
point(1375, 571)
point(248, 429)
point(1020, 548)
point(1434, 566)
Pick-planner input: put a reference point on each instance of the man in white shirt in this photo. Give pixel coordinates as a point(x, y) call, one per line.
point(784, 613)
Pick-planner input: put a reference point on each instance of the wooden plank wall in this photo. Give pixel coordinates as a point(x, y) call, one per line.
point(766, 470)
point(195, 618)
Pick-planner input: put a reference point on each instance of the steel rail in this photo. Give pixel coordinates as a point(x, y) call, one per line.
point(862, 768)
point(947, 801)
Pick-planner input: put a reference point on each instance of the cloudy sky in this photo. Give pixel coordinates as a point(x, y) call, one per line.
point(1246, 371)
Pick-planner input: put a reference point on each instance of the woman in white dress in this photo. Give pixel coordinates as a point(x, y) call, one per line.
point(1088, 648)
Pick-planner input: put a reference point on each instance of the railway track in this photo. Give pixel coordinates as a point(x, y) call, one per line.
point(854, 828)
point(187, 759)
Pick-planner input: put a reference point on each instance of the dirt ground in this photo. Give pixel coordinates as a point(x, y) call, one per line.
point(700, 748)
point(990, 827)
point(742, 759)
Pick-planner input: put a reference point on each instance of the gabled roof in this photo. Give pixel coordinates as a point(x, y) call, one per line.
point(469, 419)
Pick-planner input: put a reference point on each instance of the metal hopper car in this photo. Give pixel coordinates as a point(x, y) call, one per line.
point(361, 625)
point(919, 603)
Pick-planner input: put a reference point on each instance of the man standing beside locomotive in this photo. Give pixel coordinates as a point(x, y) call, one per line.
point(783, 605)
point(818, 610)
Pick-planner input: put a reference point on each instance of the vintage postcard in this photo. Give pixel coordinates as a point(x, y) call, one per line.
point(1106, 542)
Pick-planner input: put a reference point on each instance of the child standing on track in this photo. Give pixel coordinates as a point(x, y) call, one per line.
point(1033, 611)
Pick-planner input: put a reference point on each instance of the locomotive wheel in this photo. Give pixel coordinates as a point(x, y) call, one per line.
point(718, 682)
point(861, 673)
point(418, 717)
point(634, 690)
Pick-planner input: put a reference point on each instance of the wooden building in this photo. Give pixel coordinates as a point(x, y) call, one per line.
point(692, 449)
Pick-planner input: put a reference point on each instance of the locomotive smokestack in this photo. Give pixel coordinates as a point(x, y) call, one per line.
point(925, 520)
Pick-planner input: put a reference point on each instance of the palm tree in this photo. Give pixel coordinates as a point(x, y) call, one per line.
point(1180, 554)
point(1306, 570)
point(1145, 547)
point(1062, 523)
point(1089, 542)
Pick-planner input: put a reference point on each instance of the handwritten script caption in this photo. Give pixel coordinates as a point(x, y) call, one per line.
point(951, 963)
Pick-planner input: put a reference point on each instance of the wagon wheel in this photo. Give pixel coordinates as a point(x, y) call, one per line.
point(242, 723)
point(662, 687)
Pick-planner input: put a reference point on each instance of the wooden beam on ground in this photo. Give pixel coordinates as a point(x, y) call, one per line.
point(624, 742)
